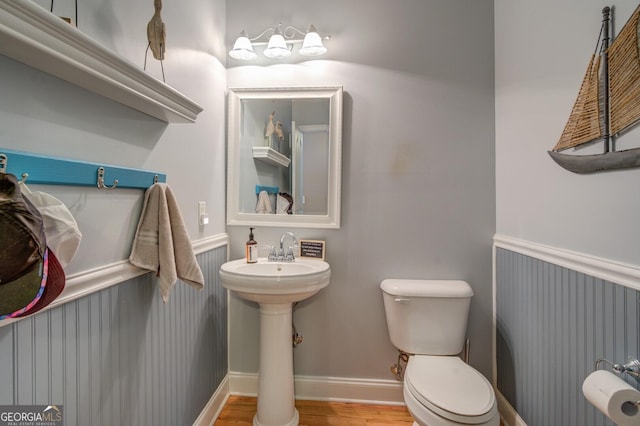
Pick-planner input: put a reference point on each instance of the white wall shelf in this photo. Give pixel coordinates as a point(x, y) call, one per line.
point(32, 35)
point(270, 156)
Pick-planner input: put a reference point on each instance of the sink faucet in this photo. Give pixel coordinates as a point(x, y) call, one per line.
point(288, 256)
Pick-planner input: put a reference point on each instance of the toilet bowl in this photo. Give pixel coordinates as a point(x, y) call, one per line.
point(427, 319)
point(445, 391)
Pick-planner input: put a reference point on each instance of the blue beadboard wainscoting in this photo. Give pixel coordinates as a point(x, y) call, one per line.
point(121, 356)
point(552, 324)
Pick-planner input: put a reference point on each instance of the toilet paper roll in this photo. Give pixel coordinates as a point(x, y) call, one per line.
point(614, 397)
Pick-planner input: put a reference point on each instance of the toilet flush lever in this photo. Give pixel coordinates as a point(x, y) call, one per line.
point(401, 300)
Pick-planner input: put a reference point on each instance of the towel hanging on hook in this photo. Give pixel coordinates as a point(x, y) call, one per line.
point(162, 242)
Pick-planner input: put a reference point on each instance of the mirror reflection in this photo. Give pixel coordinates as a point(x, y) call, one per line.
point(284, 156)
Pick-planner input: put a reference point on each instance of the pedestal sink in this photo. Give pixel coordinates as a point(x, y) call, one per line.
point(275, 286)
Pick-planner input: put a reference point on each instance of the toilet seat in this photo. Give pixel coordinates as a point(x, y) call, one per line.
point(452, 389)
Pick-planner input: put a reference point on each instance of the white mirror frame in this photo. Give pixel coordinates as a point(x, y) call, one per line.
point(235, 97)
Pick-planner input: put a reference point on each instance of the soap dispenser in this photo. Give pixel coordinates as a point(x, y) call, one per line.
point(251, 248)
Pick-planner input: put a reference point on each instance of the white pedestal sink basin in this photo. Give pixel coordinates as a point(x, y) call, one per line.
point(275, 286)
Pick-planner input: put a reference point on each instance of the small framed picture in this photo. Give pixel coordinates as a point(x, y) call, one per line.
point(312, 249)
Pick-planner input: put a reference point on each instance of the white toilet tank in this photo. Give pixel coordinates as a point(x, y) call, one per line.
point(427, 317)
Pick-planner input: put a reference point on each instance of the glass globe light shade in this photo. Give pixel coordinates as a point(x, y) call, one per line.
point(312, 44)
point(242, 48)
point(277, 47)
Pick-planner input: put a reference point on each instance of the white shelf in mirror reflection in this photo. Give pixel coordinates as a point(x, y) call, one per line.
point(270, 156)
point(32, 35)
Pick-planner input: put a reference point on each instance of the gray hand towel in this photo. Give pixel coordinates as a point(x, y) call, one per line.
point(162, 244)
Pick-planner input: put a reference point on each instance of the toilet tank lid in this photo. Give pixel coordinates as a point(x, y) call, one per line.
point(426, 288)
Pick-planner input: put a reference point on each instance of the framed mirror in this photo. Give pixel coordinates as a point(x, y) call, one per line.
point(284, 153)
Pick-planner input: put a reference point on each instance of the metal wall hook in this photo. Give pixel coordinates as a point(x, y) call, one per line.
point(4, 160)
point(3, 163)
point(101, 184)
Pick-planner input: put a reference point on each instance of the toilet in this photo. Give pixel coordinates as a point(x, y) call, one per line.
point(428, 319)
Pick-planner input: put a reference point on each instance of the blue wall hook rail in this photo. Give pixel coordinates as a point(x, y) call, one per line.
point(269, 189)
point(42, 169)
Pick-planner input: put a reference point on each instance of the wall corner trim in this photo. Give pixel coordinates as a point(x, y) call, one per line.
point(608, 270)
point(212, 410)
point(210, 243)
point(508, 415)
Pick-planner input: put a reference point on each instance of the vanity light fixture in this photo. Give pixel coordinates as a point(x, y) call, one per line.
point(279, 43)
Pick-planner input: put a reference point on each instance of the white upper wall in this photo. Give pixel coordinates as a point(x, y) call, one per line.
point(542, 51)
point(43, 114)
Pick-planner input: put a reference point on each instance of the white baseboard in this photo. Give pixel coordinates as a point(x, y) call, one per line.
point(368, 391)
point(212, 410)
point(508, 414)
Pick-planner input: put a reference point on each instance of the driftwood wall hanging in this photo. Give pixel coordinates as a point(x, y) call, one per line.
point(156, 36)
point(608, 102)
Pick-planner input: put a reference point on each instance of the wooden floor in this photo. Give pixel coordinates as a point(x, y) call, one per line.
point(239, 410)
